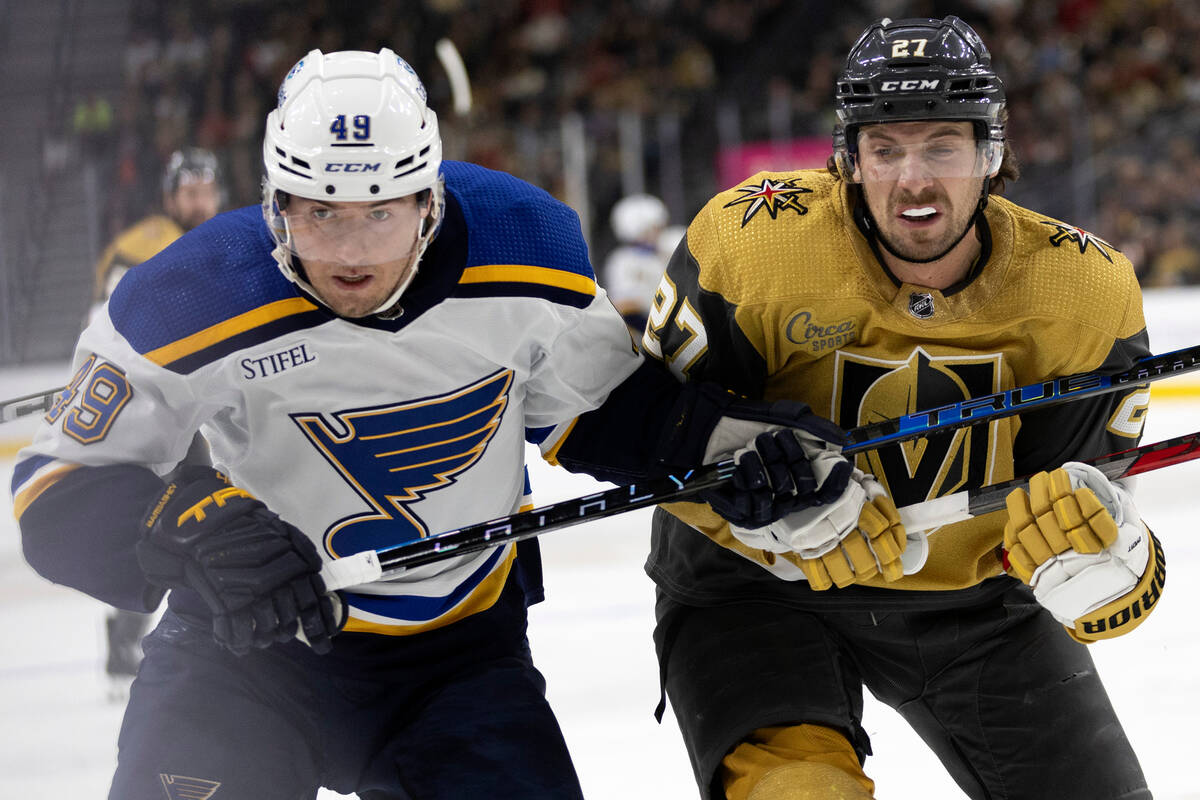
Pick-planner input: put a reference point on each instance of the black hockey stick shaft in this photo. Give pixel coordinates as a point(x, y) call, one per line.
point(527, 524)
point(29, 404)
point(371, 565)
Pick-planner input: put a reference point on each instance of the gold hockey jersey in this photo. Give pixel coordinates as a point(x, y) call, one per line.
point(776, 293)
point(137, 243)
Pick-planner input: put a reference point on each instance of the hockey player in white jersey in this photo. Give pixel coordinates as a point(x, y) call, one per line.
point(635, 266)
point(367, 355)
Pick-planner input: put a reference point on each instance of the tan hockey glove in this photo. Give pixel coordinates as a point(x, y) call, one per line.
point(1075, 537)
point(854, 537)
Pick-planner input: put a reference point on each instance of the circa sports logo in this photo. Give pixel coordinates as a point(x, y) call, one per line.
point(820, 336)
point(774, 196)
point(1069, 233)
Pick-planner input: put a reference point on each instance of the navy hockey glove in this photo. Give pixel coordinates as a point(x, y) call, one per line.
point(257, 574)
point(775, 446)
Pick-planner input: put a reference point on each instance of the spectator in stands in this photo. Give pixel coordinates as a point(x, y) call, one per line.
point(1091, 84)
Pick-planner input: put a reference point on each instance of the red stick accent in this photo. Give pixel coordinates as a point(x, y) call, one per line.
point(1168, 456)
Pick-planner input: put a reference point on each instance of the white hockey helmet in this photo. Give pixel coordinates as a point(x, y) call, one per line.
point(350, 126)
point(639, 217)
point(668, 240)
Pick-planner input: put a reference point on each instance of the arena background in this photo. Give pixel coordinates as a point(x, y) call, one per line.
point(592, 101)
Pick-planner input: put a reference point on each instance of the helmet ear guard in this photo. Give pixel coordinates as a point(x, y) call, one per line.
point(843, 158)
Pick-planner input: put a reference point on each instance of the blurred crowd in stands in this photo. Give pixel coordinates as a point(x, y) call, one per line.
point(1104, 94)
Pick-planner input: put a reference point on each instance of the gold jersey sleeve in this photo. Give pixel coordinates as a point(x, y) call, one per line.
point(776, 293)
point(137, 243)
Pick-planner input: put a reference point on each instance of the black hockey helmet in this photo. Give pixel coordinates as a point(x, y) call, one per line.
point(917, 69)
point(190, 165)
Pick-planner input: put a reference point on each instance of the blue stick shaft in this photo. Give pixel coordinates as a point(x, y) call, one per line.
point(1033, 397)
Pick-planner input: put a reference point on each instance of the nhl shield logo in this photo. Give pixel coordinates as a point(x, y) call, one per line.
point(920, 305)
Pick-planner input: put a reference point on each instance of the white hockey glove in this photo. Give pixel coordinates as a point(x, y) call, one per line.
point(1076, 538)
point(854, 537)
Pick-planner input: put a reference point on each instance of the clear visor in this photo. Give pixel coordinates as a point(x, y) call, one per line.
point(882, 161)
point(353, 234)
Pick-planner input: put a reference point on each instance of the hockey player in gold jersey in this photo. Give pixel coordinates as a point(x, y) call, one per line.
point(894, 281)
point(191, 195)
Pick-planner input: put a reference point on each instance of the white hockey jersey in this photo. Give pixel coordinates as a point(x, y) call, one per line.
point(362, 433)
point(631, 275)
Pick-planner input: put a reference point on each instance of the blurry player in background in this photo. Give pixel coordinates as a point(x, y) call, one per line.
point(635, 266)
point(191, 194)
point(898, 280)
point(367, 355)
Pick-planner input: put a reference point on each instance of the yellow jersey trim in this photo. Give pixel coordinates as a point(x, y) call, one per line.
point(228, 329)
point(483, 597)
point(551, 455)
point(34, 489)
point(520, 273)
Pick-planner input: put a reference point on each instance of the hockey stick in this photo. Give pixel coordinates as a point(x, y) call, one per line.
point(456, 73)
point(1023, 398)
point(29, 404)
point(372, 565)
point(975, 502)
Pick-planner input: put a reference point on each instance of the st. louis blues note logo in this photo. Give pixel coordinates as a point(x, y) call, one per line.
point(391, 455)
point(1069, 233)
point(181, 787)
point(774, 196)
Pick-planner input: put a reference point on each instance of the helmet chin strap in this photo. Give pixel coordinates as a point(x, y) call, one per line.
point(391, 308)
point(979, 207)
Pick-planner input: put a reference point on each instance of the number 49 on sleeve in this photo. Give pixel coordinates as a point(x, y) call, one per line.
point(91, 401)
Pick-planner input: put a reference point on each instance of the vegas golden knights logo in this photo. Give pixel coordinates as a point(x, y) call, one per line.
point(869, 390)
